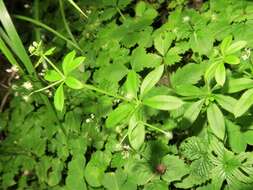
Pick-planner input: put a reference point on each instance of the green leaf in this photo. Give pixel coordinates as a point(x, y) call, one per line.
point(140, 8)
point(75, 178)
point(220, 74)
point(226, 102)
point(236, 46)
point(136, 133)
point(118, 115)
point(132, 84)
point(52, 76)
point(210, 71)
point(118, 181)
point(225, 44)
point(163, 102)
point(59, 98)
point(176, 168)
point(191, 113)
point(73, 83)
point(232, 59)
point(189, 90)
point(70, 63)
point(156, 185)
point(189, 74)
point(163, 41)
point(237, 85)
point(244, 103)
point(151, 79)
point(236, 138)
point(216, 121)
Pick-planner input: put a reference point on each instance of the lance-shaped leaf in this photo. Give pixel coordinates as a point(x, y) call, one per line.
point(216, 121)
point(163, 102)
point(136, 132)
point(132, 84)
point(67, 61)
point(118, 115)
point(52, 76)
point(59, 98)
point(236, 85)
point(73, 83)
point(220, 74)
point(225, 44)
point(244, 103)
point(151, 79)
point(210, 72)
point(232, 59)
point(191, 113)
point(235, 47)
point(226, 102)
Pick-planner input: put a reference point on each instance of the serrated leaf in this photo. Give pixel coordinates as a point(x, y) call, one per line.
point(232, 59)
point(118, 115)
point(132, 84)
point(226, 42)
point(220, 74)
point(163, 41)
point(163, 102)
point(59, 98)
point(73, 83)
point(176, 168)
point(244, 103)
point(201, 42)
point(52, 76)
point(191, 113)
point(155, 185)
point(216, 121)
point(236, 46)
point(151, 79)
point(226, 102)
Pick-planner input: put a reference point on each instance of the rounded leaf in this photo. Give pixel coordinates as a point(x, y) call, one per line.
point(73, 83)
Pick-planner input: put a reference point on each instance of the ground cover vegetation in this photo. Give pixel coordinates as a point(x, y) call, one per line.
point(126, 94)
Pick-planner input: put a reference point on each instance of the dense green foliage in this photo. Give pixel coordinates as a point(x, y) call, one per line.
point(127, 95)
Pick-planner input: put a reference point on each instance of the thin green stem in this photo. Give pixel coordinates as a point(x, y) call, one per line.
point(91, 87)
point(55, 68)
point(121, 14)
point(47, 87)
point(37, 17)
point(66, 23)
point(153, 127)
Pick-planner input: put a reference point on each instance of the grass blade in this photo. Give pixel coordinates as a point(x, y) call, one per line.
point(15, 41)
point(77, 8)
point(48, 28)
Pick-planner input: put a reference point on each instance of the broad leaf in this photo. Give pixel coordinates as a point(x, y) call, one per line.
point(226, 102)
point(67, 61)
point(163, 41)
point(236, 85)
point(52, 76)
point(163, 102)
point(216, 121)
point(232, 59)
point(132, 85)
point(236, 46)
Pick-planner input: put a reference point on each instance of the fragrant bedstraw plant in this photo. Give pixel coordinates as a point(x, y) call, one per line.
point(145, 94)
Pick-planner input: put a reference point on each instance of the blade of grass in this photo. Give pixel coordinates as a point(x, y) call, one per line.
point(48, 28)
point(8, 54)
point(77, 8)
point(65, 22)
point(16, 42)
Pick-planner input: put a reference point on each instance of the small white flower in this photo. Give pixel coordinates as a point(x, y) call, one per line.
point(245, 57)
point(88, 120)
point(28, 85)
point(31, 49)
point(8, 70)
point(14, 86)
point(16, 94)
point(174, 30)
point(89, 11)
point(92, 116)
point(169, 135)
point(14, 68)
point(44, 65)
point(186, 19)
point(26, 6)
point(125, 154)
point(35, 44)
point(126, 147)
point(17, 77)
point(26, 98)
